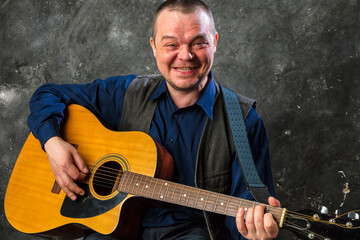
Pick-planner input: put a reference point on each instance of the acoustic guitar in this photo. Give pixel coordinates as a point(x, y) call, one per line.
point(126, 168)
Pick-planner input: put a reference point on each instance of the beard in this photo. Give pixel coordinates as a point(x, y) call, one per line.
point(188, 87)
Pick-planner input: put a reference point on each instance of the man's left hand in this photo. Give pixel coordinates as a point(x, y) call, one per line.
point(258, 224)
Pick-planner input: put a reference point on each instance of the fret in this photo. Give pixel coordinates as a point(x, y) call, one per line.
point(207, 200)
point(172, 195)
point(197, 197)
point(150, 187)
point(201, 204)
point(210, 201)
point(216, 203)
point(175, 195)
point(121, 183)
point(154, 189)
point(160, 194)
point(188, 197)
point(227, 205)
point(137, 184)
point(221, 205)
point(127, 179)
point(240, 203)
point(144, 187)
point(167, 188)
point(181, 193)
point(232, 206)
point(130, 184)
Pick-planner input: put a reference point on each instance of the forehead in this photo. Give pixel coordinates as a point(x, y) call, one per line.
point(179, 23)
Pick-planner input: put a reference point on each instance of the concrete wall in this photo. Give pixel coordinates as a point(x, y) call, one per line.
point(299, 59)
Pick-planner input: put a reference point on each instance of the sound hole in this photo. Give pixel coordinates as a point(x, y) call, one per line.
point(106, 178)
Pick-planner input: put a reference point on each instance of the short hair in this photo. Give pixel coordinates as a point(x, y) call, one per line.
point(183, 6)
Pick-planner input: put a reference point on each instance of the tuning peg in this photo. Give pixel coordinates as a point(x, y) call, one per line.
point(323, 210)
point(337, 212)
point(353, 216)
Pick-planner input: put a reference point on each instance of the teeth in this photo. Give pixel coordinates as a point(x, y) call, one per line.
point(184, 69)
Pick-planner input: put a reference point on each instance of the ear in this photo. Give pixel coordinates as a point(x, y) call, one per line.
point(152, 43)
point(216, 37)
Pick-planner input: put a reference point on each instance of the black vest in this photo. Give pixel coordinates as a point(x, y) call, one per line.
point(216, 150)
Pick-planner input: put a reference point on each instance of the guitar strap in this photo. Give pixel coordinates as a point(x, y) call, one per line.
point(236, 120)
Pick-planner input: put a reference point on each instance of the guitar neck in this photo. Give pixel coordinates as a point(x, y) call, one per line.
point(179, 194)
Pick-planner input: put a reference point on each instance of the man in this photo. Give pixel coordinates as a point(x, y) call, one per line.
point(187, 104)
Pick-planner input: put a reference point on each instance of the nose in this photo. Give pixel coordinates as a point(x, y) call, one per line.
point(185, 53)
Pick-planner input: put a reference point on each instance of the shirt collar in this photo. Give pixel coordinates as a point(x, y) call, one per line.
point(207, 98)
point(205, 101)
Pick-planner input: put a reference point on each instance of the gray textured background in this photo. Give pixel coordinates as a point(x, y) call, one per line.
point(299, 59)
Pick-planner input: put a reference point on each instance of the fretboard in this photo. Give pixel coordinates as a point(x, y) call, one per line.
point(179, 194)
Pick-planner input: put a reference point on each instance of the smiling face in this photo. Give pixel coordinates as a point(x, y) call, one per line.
point(184, 48)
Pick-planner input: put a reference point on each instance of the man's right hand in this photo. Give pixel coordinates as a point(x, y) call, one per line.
point(67, 166)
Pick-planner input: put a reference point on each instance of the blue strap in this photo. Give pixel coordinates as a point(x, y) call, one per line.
point(238, 130)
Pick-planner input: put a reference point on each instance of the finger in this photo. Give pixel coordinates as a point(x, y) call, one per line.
point(74, 172)
point(72, 186)
point(250, 225)
point(79, 162)
point(274, 202)
point(240, 222)
point(259, 219)
point(63, 183)
point(270, 226)
point(69, 193)
point(66, 182)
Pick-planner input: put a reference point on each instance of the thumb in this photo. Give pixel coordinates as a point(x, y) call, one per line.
point(79, 162)
point(274, 202)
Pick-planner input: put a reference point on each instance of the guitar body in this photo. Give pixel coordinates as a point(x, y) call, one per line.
point(35, 204)
point(120, 185)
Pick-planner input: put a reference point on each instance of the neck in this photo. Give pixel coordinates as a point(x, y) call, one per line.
point(185, 98)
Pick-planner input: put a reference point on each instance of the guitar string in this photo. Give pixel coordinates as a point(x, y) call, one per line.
point(318, 236)
point(108, 181)
point(211, 200)
point(110, 176)
point(312, 219)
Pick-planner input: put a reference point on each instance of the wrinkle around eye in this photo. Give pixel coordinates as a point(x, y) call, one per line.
point(171, 46)
point(201, 45)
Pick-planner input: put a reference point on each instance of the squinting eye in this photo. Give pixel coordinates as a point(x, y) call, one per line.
point(198, 45)
point(170, 45)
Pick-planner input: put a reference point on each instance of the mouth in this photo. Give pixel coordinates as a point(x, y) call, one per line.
point(184, 69)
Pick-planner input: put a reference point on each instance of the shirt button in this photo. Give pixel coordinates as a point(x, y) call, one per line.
point(171, 141)
point(176, 116)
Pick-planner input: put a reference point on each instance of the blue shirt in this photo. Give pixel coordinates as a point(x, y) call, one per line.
point(178, 130)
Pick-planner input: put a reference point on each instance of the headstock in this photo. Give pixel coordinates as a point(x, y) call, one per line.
point(308, 224)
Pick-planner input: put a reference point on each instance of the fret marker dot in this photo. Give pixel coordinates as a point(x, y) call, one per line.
point(221, 203)
point(184, 195)
point(161, 196)
point(201, 199)
point(166, 184)
point(137, 184)
point(146, 186)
